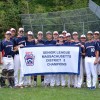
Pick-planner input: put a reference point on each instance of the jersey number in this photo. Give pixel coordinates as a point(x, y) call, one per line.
point(92, 50)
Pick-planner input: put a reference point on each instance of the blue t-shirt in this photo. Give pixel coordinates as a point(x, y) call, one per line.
point(90, 48)
point(7, 46)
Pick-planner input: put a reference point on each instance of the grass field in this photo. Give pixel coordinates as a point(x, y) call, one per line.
point(41, 93)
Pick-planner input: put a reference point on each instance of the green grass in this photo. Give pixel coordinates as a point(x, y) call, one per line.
point(41, 93)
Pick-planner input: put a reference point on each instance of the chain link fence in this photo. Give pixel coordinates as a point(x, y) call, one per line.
point(80, 20)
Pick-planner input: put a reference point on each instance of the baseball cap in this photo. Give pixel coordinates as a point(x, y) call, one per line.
point(68, 34)
point(48, 32)
point(89, 32)
point(55, 32)
point(40, 32)
point(12, 29)
point(61, 35)
point(8, 32)
point(30, 33)
point(21, 29)
point(75, 33)
point(64, 31)
point(97, 32)
point(83, 36)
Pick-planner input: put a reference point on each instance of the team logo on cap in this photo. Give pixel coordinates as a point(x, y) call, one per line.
point(29, 59)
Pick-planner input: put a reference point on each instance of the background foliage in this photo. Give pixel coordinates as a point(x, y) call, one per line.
point(10, 9)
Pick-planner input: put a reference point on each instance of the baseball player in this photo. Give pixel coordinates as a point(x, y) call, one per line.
point(49, 79)
point(78, 79)
point(7, 60)
point(60, 79)
point(83, 40)
point(96, 37)
point(40, 42)
point(30, 41)
point(19, 42)
point(68, 42)
point(91, 60)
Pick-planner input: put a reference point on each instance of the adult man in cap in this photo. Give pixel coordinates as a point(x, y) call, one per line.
point(7, 60)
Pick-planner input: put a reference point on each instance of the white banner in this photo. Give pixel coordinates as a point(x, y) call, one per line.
point(50, 60)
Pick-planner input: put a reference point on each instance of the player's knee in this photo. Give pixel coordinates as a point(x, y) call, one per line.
point(4, 72)
point(11, 72)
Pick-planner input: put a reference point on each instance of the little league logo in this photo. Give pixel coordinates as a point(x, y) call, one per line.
point(29, 59)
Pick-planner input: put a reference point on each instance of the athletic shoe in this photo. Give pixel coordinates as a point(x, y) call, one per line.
point(93, 88)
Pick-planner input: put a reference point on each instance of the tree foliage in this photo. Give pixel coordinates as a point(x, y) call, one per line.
point(10, 9)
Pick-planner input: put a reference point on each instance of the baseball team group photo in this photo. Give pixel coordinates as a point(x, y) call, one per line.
point(50, 52)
